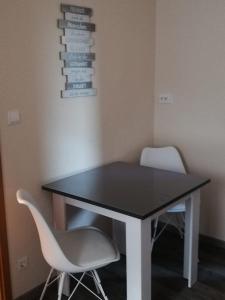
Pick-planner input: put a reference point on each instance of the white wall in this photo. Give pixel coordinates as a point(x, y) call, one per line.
point(57, 137)
point(190, 64)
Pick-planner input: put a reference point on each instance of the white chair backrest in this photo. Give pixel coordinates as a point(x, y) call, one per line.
point(164, 158)
point(49, 245)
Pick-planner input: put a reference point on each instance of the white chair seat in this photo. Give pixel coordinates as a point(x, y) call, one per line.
point(87, 247)
point(177, 208)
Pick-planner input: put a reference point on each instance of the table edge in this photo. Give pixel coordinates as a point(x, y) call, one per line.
point(120, 210)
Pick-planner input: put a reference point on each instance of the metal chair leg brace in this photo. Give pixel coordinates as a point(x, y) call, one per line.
point(93, 274)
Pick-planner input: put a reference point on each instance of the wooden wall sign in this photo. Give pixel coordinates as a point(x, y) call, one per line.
point(73, 56)
point(76, 10)
point(78, 59)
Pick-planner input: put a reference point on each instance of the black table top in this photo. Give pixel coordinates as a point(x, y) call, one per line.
point(127, 188)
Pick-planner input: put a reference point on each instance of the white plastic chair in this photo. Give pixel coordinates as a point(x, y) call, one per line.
point(169, 159)
point(80, 251)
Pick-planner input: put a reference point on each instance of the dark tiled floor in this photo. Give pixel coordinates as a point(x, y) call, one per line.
point(167, 281)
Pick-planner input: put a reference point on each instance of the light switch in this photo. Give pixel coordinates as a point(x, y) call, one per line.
point(13, 117)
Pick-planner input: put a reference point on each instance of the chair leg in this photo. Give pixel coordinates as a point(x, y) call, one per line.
point(99, 284)
point(78, 283)
point(87, 288)
point(179, 225)
point(46, 284)
point(156, 221)
point(60, 288)
point(96, 282)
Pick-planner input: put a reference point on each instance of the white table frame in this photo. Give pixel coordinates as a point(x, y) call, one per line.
point(138, 241)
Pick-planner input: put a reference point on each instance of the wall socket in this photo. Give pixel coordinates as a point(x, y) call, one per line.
point(165, 99)
point(22, 263)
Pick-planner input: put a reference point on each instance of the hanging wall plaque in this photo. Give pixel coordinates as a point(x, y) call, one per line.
point(78, 58)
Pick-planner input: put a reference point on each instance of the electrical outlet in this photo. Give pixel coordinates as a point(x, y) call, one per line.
point(22, 263)
point(165, 99)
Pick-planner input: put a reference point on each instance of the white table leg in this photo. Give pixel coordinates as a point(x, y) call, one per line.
point(138, 249)
point(59, 217)
point(191, 238)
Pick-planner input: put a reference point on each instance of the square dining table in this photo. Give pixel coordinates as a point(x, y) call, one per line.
point(135, 195)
